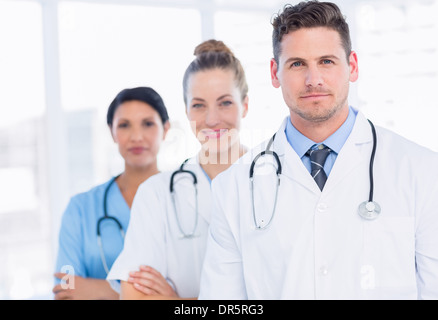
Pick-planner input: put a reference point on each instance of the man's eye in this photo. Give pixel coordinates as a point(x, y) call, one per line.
point(296, 64)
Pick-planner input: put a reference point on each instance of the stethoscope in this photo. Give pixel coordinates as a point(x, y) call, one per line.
point(172, 193)
point(368, 210)
point(107, 217)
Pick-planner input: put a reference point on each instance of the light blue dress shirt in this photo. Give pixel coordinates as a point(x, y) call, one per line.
point(78, 249)
point(301, 144)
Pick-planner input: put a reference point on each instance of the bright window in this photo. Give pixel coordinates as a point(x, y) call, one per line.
point(25, 246)
point(107, 48)
point(398, 50)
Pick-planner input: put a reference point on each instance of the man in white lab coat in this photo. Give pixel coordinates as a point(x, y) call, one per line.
point(318, 238)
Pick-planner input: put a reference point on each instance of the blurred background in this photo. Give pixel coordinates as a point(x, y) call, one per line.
point(62, 63)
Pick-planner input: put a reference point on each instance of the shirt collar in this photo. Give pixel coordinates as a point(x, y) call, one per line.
point(202, 170)
point(301, 144)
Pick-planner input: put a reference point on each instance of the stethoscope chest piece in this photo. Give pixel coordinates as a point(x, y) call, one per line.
point(369, 210)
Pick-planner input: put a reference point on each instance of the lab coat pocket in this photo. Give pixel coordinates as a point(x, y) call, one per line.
point(389, 252)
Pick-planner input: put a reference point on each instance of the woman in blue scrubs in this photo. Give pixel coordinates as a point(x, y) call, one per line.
point(138, 122)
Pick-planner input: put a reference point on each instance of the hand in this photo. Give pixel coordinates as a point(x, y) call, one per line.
point(150, 282)
point(79, 288)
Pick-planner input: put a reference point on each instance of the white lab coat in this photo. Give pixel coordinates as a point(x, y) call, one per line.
point(153, 237)
point(317, 246)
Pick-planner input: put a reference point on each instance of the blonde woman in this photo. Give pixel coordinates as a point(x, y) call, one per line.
point(167, 235)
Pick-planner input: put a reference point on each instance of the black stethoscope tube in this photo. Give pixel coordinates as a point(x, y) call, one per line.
point(107, 217)
point(373, 154)
point(105, 209)
point(184, 235)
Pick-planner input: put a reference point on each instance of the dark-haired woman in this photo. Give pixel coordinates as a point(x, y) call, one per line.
point(138, 122)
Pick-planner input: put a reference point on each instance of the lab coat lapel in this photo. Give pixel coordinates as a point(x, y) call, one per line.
point(293, 167)
point(352, 153)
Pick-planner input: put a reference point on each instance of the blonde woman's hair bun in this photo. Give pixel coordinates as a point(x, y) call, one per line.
point(212, 46)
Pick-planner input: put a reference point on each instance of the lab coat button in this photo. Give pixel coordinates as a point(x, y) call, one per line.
point(322, 207)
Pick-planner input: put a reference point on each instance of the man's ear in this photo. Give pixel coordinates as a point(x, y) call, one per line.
point(354, 66)
point(274, 72)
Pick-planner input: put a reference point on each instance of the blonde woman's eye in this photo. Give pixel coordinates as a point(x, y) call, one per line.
point(226, 103)
point(197, 105)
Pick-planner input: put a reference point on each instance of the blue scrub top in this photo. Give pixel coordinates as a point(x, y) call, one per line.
point(78, 248)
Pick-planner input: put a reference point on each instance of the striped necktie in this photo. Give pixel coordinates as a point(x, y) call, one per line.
point(317, 160)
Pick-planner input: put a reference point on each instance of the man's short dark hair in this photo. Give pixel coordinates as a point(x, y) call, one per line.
point(309, 14)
